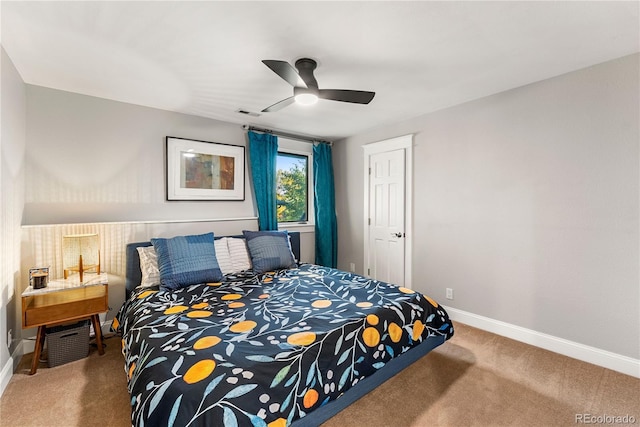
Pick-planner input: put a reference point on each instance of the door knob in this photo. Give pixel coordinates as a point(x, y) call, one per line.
point(398, 234)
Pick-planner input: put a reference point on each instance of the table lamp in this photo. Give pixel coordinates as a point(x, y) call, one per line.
point(80, 252)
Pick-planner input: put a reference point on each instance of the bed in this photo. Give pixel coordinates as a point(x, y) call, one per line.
point(266, 346)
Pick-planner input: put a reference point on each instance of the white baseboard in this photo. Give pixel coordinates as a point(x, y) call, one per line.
point(28, 345)
point(9, 368)
point(596, 356)
point(5, 375)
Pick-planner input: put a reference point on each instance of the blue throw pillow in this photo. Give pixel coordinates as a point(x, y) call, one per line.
point(187, 260)
point(269, 250)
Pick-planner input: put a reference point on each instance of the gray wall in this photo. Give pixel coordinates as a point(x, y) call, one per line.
point(12, 148)
point(91, 159)
point(526, 204)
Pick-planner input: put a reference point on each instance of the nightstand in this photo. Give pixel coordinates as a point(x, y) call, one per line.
point(64, 301)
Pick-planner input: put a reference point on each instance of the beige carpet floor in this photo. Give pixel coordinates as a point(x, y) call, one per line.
point(475, 379)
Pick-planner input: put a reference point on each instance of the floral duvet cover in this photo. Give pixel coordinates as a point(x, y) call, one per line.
point(265, 350)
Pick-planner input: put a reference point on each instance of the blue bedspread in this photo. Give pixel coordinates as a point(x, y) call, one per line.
point(264, 350)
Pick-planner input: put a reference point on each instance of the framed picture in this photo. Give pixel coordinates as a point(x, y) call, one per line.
point(200, 170)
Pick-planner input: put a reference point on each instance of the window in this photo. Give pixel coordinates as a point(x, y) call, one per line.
point(292, 187)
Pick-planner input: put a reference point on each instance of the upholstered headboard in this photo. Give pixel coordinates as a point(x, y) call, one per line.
point(133, 275)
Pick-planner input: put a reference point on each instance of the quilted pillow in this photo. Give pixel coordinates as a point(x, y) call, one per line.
point(187, 260)
point(269, 250)
point(222, 255)
point(239, 254)
point(148, 266)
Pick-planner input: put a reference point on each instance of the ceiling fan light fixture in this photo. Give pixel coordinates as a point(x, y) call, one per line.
point(306, 98)
point(305, 86)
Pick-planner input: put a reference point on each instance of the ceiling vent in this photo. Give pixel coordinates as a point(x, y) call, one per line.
point(248, 113)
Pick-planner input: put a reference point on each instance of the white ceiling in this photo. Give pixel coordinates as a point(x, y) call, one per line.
point(204, 58)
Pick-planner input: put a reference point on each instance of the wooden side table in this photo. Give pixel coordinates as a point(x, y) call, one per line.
point(65, 301)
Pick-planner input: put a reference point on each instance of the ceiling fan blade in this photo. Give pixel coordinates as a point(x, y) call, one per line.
point(286, 71)
point(279, 105)
point(354, 96)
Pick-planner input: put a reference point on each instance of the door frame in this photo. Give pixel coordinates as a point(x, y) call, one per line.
point(405, 143)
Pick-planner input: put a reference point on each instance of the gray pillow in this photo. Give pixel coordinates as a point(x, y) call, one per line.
point(269, 250)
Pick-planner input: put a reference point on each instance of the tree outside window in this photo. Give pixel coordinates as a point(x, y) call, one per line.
point(291, 188)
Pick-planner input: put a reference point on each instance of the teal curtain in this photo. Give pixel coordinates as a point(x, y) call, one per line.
point(325, 207)
point(263, 154)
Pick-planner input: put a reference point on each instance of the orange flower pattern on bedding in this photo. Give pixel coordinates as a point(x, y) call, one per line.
point(265, 350)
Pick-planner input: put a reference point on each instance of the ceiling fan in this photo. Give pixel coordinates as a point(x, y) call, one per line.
point(305, 86)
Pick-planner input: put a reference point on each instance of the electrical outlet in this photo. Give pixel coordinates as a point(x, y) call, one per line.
point(352, 267)
point(449, 293)
point(9, 337)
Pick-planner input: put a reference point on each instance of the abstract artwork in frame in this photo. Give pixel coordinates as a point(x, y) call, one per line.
point(200, 170)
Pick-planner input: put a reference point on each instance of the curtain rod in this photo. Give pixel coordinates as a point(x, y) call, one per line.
point(286, 135)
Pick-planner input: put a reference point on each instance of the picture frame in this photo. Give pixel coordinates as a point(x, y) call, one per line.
point(202, 170)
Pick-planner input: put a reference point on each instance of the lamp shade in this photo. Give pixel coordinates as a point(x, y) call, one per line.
point(80, 252)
